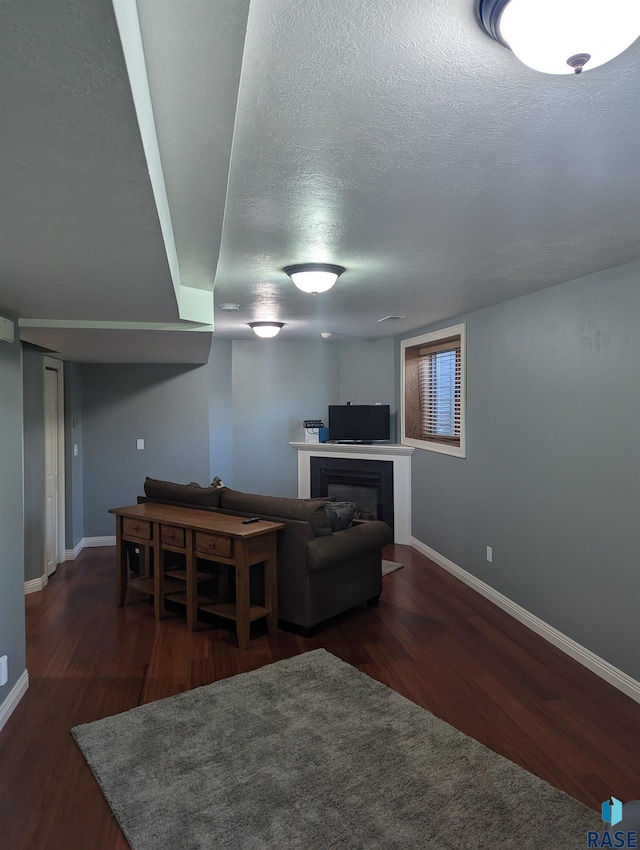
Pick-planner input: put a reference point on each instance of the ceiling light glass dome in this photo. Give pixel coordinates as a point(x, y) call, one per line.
point(266, 330)
point(562, 36)
point(314, 277)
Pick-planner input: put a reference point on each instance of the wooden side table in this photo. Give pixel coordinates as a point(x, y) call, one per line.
point(204, 535)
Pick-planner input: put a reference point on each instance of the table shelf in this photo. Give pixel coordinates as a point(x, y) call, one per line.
point(145, 585)
point(181, 575)
point(181, 598)
point(229, 612)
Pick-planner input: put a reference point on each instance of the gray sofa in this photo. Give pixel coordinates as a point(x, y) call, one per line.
point(321, 572)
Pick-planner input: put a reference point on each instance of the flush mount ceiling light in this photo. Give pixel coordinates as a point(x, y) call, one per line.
point(314, 277)
point(562, 36)
point(266, 330)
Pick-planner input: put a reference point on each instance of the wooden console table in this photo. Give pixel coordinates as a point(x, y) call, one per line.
point(196, 534)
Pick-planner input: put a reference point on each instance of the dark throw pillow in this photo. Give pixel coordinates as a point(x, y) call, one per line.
point(340, 514)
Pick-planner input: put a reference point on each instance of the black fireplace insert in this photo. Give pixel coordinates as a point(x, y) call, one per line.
point(366, 483)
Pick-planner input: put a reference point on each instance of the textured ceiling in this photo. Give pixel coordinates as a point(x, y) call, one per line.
point(395, 139)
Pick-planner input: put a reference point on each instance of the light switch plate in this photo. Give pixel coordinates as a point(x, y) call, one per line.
point(140, 444)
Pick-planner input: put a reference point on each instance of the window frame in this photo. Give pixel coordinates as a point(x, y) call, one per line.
point(409, 396)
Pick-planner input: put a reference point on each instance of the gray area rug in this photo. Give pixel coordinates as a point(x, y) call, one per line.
point(390, 567)
point(310, 753)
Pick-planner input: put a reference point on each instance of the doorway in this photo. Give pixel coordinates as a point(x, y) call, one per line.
point(53, 398)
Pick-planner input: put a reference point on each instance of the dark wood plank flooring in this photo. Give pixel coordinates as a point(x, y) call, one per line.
point(431, 638)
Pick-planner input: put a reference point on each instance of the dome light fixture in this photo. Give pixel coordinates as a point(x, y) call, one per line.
point(562, 36)
point(314, 277)
point(266, 330)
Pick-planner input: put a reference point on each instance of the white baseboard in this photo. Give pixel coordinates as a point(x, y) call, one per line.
point(72, 554)
point(36, 584)
point(89, 543)
point(15, 695)
point(579, 653)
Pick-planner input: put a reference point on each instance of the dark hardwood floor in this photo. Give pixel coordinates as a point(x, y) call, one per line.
point(431, 638)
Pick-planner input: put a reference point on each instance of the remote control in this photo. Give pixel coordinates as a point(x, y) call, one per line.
point(253, 519)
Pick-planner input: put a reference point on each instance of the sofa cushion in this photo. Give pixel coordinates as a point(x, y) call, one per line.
point(340, 514)
point(306, 510)
point(191, 494)
point(348, 546)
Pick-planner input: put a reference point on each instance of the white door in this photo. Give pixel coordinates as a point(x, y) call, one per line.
point(51, 471)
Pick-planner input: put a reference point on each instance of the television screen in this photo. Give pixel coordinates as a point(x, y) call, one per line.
point(359, 423)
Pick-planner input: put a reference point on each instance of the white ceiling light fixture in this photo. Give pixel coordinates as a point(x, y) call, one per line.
point(314, 277)
point(562, 36)
point(266, 330)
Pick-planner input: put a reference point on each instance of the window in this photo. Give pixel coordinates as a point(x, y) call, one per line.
point(433, 369)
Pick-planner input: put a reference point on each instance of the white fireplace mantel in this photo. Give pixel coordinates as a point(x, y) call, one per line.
point(399, 455)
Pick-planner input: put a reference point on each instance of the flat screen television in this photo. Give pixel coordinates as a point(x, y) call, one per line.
point(359, 423)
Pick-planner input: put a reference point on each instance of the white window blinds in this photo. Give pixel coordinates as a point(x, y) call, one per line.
point(439, 387)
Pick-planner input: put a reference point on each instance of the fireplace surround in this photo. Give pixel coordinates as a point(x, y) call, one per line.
point(366, 483)
point(399, 458)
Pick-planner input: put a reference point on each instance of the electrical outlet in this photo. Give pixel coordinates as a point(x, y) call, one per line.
point(139, 444)
point(4, 670)
point(489, 554)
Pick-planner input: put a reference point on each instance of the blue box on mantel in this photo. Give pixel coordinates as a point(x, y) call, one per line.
point(318, 434)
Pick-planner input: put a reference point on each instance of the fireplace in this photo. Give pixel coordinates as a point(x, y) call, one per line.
point(366, 483)
point(397, 456)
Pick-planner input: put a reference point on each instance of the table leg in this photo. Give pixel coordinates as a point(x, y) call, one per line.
point(144, 561)
point(271, 587)
point(192, 584)
point(121, 565)
point(158, 573)
point(242, 596)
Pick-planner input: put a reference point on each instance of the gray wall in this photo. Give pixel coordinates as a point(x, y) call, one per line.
point(552, 475)
point(233, 417)
point(167, 406)
point(369, 374)
point(12, 629)
point(33, 423)
point(74, 516)
point(276, 385)
point(220, 411)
